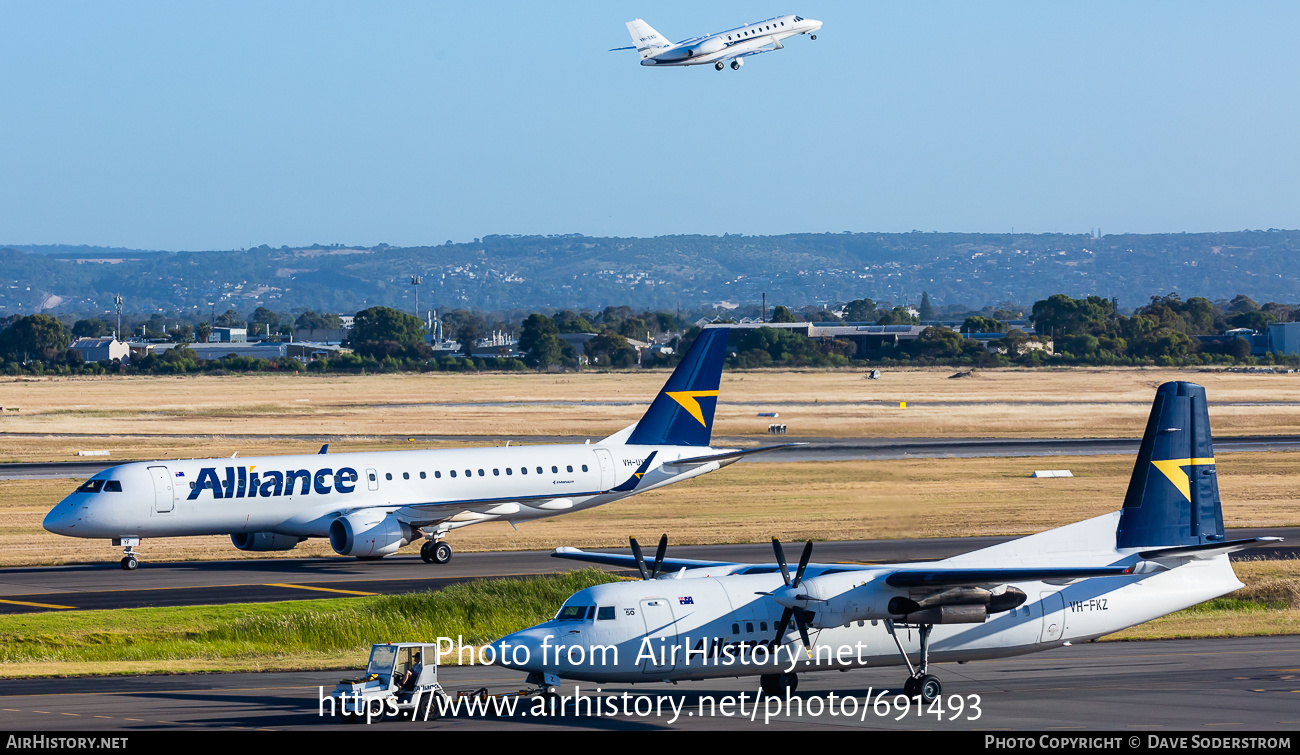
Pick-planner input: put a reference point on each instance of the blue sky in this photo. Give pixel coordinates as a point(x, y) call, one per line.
point(232, 124)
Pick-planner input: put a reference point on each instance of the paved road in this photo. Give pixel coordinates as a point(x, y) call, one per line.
point(100, 586)
point(1209, 687)
point(816, 449)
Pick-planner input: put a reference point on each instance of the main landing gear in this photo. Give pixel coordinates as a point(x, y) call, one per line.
point(435, 552)
point(814, 36)
point(919, 682)
point(736, 64)
point(130, 560)
point(719, 66)
point(778, 684)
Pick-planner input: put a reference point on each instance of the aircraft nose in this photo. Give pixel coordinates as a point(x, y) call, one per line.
point(521, 651)
point(59, 520)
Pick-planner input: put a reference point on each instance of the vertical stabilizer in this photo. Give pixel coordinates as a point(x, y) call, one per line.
point(682, 413)
point(648, 42)
point(1173, 496)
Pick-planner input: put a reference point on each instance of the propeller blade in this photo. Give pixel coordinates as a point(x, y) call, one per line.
point(781, 625)
point(803, 564)
point(803, 629)
point(640, 560)
point(659, 556)
point(780, 560)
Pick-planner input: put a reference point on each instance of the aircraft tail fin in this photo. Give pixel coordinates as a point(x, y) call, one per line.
point(682, 413)
point(648, 42)
point(1173, 496)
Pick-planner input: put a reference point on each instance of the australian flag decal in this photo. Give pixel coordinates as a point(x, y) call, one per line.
point(686, 601)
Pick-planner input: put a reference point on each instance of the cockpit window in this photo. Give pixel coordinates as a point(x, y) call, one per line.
point(572, 613)
point(112, 486)
point(606, 613)
point(91, 486)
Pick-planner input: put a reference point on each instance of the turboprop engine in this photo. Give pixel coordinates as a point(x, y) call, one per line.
point(369, 534)
point(837, 599)
point(264, 541)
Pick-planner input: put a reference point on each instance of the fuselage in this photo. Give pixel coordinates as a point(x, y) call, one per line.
point(678, 629)
point(732, 43)
point(302, 495)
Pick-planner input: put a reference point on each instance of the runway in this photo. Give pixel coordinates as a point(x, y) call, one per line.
point(813, 449)
point(1212, 687)
point(259, 580)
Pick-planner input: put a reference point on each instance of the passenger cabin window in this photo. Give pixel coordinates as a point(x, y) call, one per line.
point(91, 486)
point(570, 467)
point(509, 470)
point(496, 472)
point(422, 475)
point(573, 613)
point(749, 627)
point(453, 473)
point(372, 476)
point(480, 473)
point(584, 467)
point(406, 475)
point(438, 475)
point(555, 470)
point(388, 475)
point(762, 626)
point(539, 470)
point(469, 473)
point(735, 629)
point(523, 470)
point(605, 613)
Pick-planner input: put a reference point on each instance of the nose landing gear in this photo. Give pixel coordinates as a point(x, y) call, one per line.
point(920, 682)
point(130, 561)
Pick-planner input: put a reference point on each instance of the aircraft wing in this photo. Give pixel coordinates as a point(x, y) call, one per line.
point(775, 46)
point(629, 561)
point(994, 577)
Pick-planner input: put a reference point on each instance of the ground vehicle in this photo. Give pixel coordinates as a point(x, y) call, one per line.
point(380, 692)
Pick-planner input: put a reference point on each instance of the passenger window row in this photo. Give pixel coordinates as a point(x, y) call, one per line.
point(483, 473)
point(749, 627)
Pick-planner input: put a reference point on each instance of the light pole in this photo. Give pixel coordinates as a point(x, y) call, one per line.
point(117, 303)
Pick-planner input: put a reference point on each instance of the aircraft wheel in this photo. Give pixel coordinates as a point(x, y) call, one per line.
point(929, 688)
point(909, 687)
point(735, 65)
point(814, 36)
point(426, 552)
point(440, 553)
point(130, 563)
point(777, 684)
point(719, 65)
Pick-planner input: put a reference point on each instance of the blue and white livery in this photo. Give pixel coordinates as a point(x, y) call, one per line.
point(731, 46)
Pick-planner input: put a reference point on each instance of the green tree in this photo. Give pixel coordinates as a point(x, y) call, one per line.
point(230, 319)
point(860, 310)
point(782, 313)
point(385, 332)
point(34, 337)
point(898, 316)
point(981, 324)
point(311, 320)
point(538, 339)
point(1059, 315)
point(93, 328)
point(926, 310)
point(609, 349)
point(1255, 319)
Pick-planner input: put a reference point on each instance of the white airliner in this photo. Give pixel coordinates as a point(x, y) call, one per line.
point(372, 503)
point(731, 46)
point(1162, 552)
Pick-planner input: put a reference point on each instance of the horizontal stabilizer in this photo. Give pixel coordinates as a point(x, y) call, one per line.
point(728, 455)
point(1206, 550)
point(630, 562)
point(973, 577)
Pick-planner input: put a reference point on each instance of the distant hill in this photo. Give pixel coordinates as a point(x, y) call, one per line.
point(574, 271)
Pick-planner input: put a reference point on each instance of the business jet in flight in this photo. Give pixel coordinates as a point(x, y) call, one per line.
point(372, 503)
point(731, 46)
point(1163, 551)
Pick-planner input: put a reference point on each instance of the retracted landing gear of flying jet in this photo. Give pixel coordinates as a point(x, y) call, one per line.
point(130, 560)
point(719, 65)
point(435, 552)
point(920, 682)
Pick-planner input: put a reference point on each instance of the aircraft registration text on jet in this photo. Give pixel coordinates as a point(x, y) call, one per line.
point(370, 504)
point(1163, 551)
point(731, 46)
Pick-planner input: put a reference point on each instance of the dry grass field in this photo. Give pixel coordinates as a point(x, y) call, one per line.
point(751, 502)
point(203, 415)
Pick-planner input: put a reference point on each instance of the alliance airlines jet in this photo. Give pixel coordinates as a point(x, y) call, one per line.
point(733, 45)
point(1162, 552)
point(370, 504)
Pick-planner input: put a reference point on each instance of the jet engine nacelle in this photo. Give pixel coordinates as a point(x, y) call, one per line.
point(703, 47)
point(264, 541)
point(369, 534)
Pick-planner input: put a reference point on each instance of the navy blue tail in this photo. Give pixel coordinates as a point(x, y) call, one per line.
point(1173, 496)
point(682, 413)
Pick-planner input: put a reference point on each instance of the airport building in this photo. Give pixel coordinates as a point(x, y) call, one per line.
point(101, 349)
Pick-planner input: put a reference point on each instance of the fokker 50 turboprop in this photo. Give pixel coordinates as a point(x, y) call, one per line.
point(731, 46)
point(1163, 551)
point(372, 503)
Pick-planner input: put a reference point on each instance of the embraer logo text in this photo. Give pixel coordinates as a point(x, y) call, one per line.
point(243, 482)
